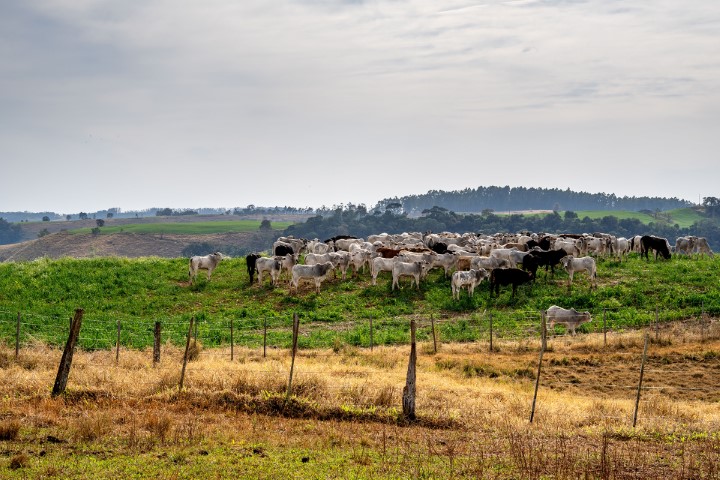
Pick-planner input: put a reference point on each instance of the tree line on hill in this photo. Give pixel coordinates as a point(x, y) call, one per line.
point(357, 222)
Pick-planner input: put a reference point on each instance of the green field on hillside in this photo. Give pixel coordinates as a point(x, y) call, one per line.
point(139, 292)
point(187, 228)
point(684, 217)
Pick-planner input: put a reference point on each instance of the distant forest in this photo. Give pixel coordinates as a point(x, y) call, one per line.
point(503, 199)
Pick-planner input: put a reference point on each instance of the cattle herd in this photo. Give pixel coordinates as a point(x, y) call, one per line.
point(503, 259)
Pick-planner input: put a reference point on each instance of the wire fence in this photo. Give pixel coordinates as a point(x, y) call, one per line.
point(270, 340)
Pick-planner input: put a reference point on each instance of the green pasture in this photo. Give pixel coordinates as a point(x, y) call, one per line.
point(138, 292)
point(188, 228)
point(684, 217)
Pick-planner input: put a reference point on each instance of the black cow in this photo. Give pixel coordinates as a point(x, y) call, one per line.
point(543, 243)
point(439, 247)
point(282, 250)
point(508, 276)
point(251, 259)
point(659, 244)
point(339, 237)
point(539, 258)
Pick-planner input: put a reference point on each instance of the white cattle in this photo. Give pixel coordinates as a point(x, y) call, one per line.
point(505, 254)
point(316, 273)
point(359, 257)
point(467, 279)
point(316, 246)
point(568, 245)
point(416, 270)
point(702, 247)
point(341, 261)
point(446, 261)
point(621, 246)
point(208, 262)
point(344, 243)
point(272, 265)
point(570, 318)
point(380, 264)
point(573, 265)
point(287, 262)
point(298, 245)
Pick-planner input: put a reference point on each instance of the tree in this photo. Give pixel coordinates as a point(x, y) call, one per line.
point(46, 218)
point(109, 215)
point(83, 216)
point(265, 224)
point(712, 205)
point(100, 222)
point(68, 217)
point(43, 232)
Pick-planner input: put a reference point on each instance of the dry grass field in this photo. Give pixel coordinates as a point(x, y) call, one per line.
point(344, 417)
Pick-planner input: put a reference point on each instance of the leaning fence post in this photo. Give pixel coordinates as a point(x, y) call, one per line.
point(232, 343)
point(491, 333)
point(642, 371)
point(156, 343)
point(185, 357)
point(537, 379)
point(117, 344)
point(67, 356)
point(432, 323)
point(408, 398)
point(296, 327)
point(17, 337)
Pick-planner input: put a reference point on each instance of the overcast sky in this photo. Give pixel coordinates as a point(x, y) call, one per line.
point(225, 103)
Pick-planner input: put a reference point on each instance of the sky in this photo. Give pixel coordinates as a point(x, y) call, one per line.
point(310, 103)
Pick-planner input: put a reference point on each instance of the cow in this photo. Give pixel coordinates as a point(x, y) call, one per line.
point(271, 265)
point(573, 265)
point(298, 245)
point(508, 276)
point(539, 258)
point(250, 260)
point(316, 273)
point(380, 264)
point(702, 247)
point(208, 262)
point(692, 244)
point(387, 252)
point(470, 279)
point(446, 261)
point(287, 262)
point(659, 244)
point(281, 249)
point(570, 318)
point(417, 270)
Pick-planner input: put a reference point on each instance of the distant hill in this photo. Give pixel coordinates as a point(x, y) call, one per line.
point(475, 200)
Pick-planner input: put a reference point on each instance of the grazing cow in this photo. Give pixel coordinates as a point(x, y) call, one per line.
point(387, 252)
point(417, 270)
point(539, 258)
point(470, 279)
point(281, 249)
point(702, 247)
point(508, 276)
point(569, 245)
point(316, 273)
point(208, 262)
point(380, 264)
point(358, 259)
point(344, 243)
point(573, 265)
point(659, 244)
point(446, 261)
point(692, 244)
point(272, 265)
point(570, 318)
point(250, 260)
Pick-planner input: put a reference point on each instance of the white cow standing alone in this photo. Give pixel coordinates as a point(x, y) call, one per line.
point(208, 262)
point(583, 264)
point(570, 318)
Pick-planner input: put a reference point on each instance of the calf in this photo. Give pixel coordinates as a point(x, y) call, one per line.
point(417, 270)
point(582, 264)
point(208, 262)
point(271, 265)
point(659, 244)
point(570, 318)
point(508, 276)
point(470, 279)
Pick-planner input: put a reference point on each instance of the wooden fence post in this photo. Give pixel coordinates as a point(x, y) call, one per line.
point(432, 323)
point(537, 379)
point(67, 356)
point(491, 332)
point(232, 343)
point(543, 330)
point(642, 371)
point(117, 344)
point(17, 337)
point(408, 398)
point(657, 324)
point(371, 334)
point(702, 322)
point(295, 331)
point(605, 326)
point(156, 343)
point(264, 337)
point(185, 357)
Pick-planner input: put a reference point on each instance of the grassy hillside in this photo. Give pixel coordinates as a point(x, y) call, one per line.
point(141, 291)
point(193, 228)
point(683, 217)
